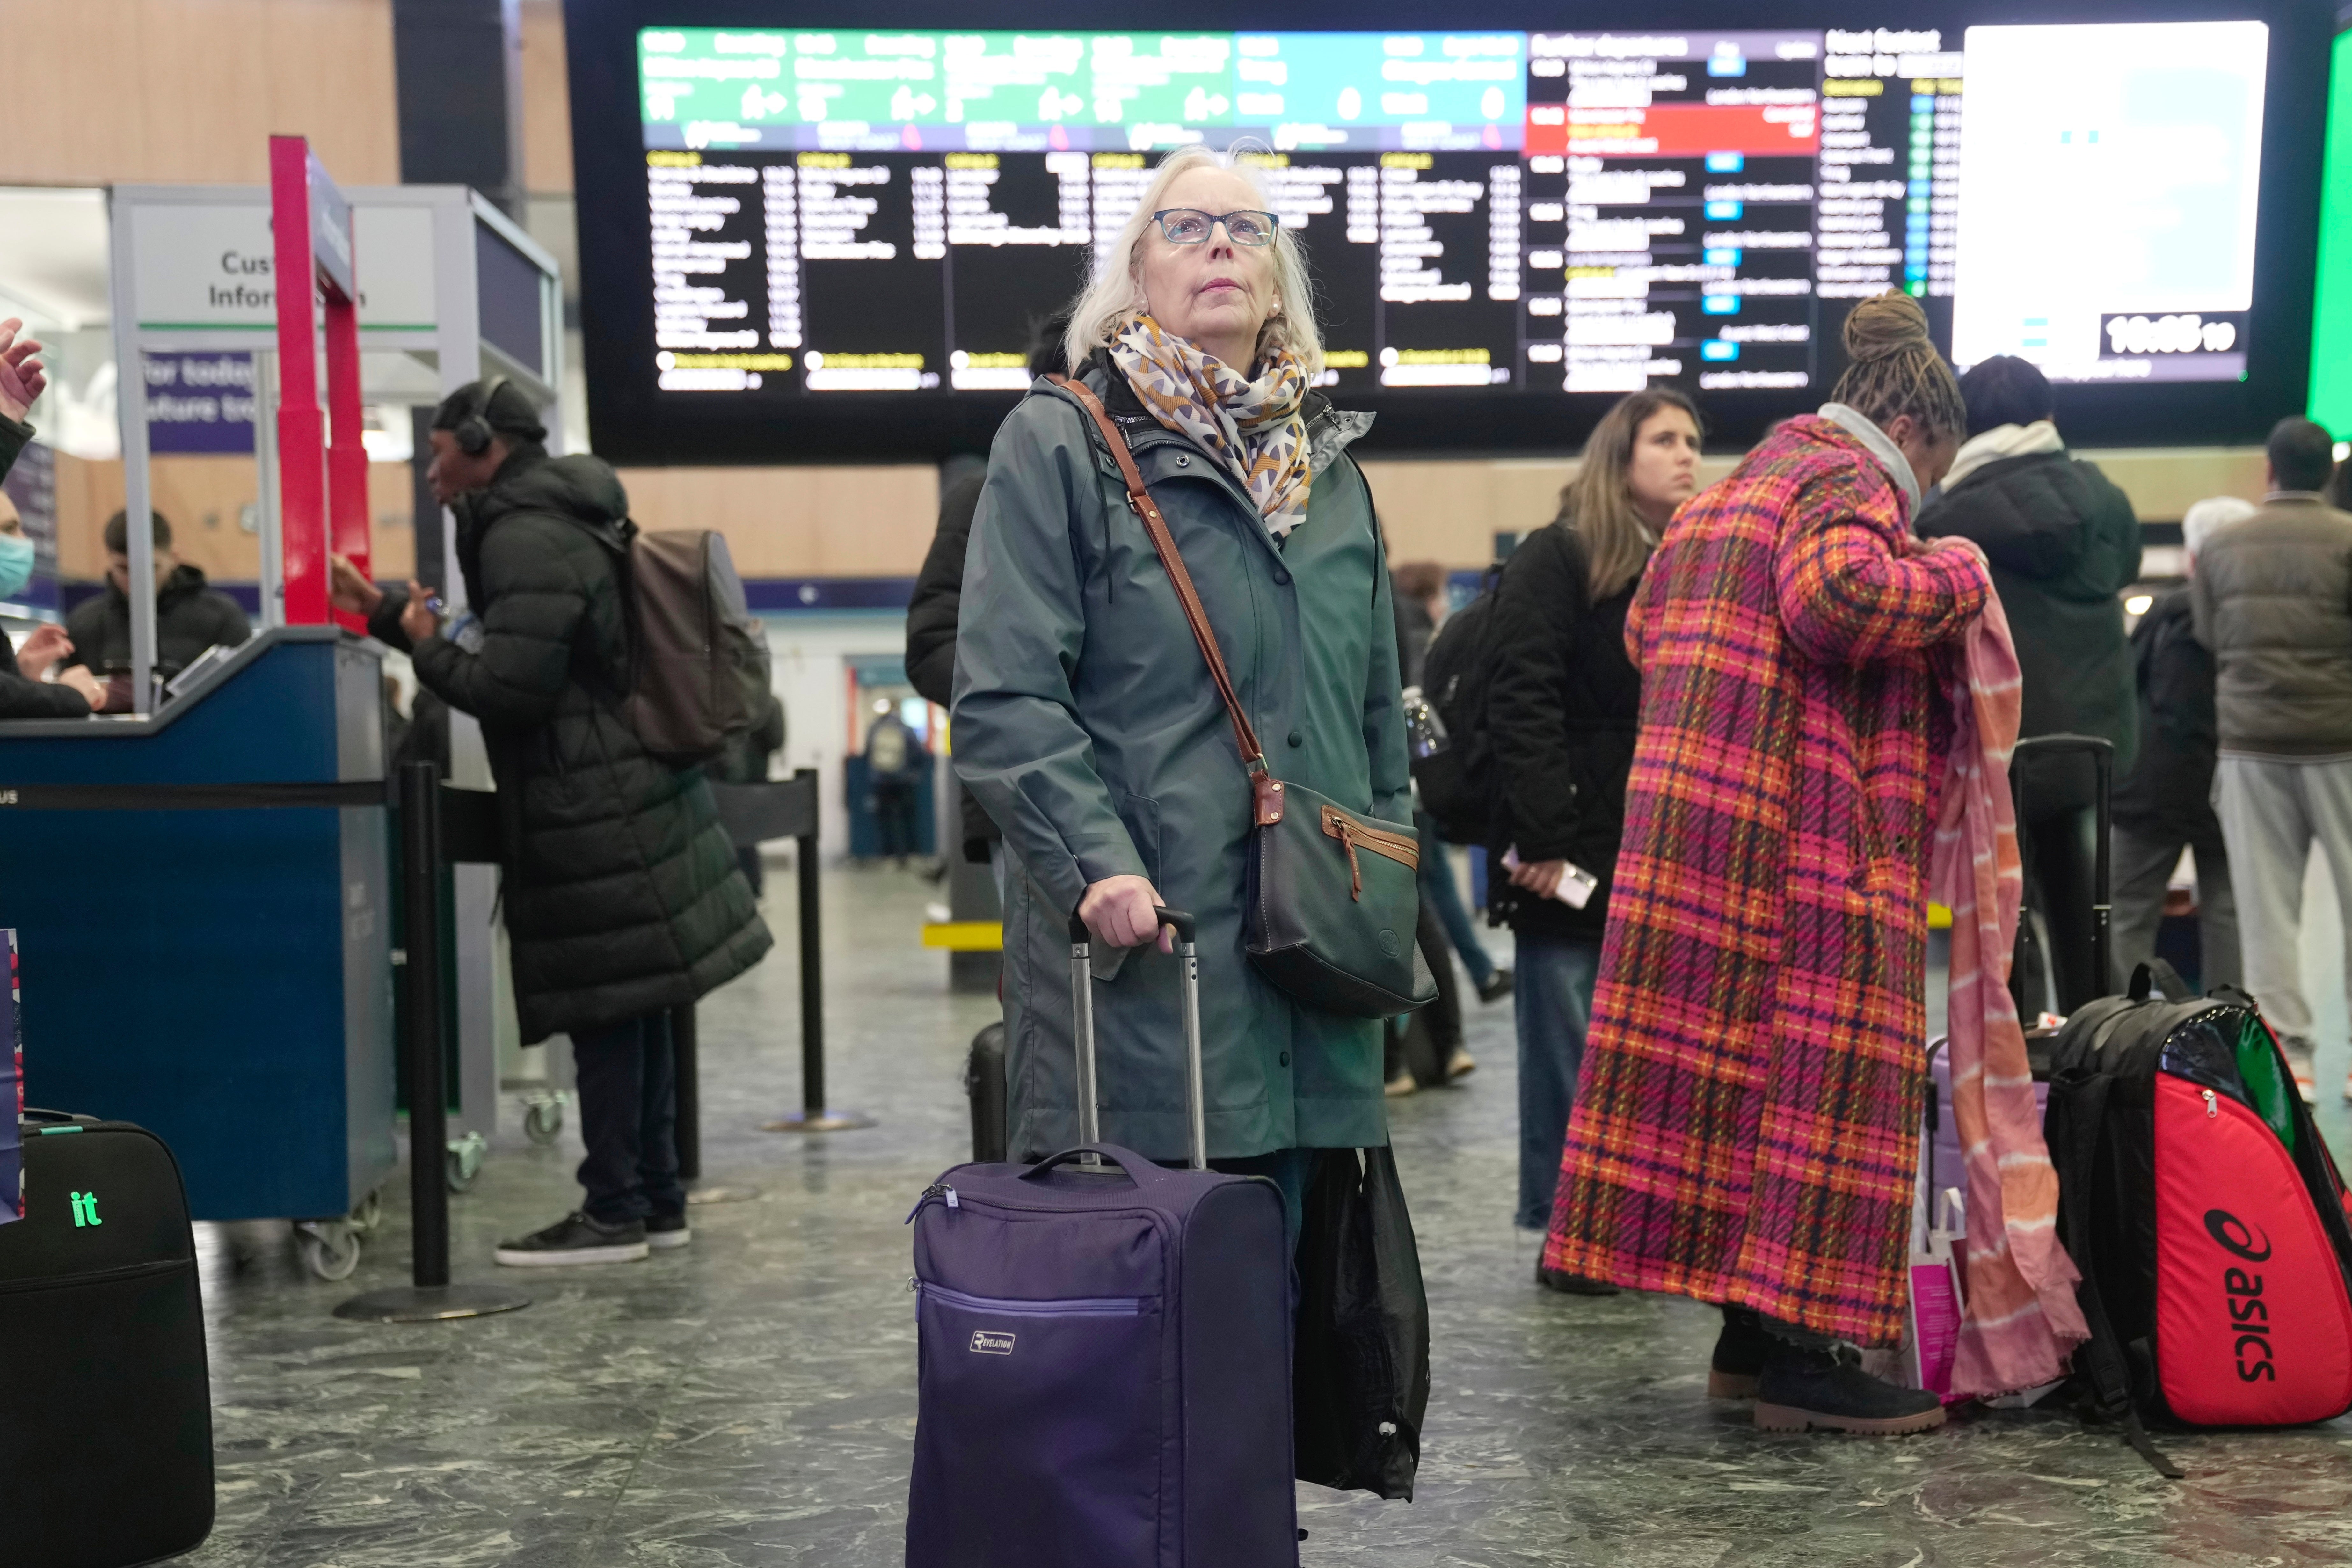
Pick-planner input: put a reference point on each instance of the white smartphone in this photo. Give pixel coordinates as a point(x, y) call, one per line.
point(1576, 889)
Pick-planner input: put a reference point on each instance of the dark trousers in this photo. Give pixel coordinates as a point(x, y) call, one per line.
point(894, 819)
point(629, 1118)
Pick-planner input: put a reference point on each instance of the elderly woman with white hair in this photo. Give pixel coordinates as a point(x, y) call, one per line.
point(1085, 718)
point(2165, 803)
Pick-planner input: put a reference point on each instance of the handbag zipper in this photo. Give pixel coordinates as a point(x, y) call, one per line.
point(1395, 846)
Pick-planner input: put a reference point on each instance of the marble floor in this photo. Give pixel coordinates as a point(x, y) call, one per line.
point(750, 1400)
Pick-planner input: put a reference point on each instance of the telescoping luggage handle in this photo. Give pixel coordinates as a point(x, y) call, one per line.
point(1082, 1028)
point(2102, 753)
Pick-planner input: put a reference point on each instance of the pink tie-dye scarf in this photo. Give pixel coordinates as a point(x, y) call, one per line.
point(2022, 1319)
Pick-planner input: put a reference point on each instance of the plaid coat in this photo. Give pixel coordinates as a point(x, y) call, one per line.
point(1745, 1127)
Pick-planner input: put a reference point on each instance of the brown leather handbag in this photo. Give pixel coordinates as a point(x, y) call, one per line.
point(1333, 894)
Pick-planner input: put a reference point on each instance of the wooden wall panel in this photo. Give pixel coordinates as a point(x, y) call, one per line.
point(118, 90)
point(800, 522)
point(546, 100)
point(203, 499)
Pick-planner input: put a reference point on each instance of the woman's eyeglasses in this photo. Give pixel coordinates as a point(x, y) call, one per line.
point(1188, 226)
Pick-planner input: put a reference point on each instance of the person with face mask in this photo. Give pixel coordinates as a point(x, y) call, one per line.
point(23, 694)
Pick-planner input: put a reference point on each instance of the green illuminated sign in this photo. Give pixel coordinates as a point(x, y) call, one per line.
point(2331, 315)
point(85, 1209)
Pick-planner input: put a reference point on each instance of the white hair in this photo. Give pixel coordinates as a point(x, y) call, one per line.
point(2198, 524)
point(1116, 291)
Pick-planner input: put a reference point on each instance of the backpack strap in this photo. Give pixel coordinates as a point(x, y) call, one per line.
point(2078, 1110)
point(1265, 790)
point(2158, 976)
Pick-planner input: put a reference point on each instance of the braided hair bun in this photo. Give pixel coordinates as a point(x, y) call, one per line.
point(1886, 325)
point(1893, 368)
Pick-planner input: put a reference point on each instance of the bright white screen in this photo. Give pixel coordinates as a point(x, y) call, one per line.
point(2108, 183)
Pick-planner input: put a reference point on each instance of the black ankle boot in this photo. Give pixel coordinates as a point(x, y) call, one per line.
point(1800, 1388)
point(1738, 1356)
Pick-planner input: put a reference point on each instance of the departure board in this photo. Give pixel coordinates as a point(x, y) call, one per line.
point(846, 216)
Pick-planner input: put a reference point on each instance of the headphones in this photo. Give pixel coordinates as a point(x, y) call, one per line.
point(473, 432)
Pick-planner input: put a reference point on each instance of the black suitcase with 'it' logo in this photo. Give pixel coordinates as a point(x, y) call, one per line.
point(105, 1436)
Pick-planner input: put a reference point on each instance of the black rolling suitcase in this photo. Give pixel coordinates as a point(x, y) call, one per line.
point(106, 1434)
point(2066, 902)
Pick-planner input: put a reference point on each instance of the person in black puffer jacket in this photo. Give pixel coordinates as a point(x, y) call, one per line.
point(931, 618)
point(1562, 713)
point(2063, 544)
point(620, 889)
point(2165, 803)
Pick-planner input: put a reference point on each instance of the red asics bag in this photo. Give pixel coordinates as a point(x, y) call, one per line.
point(2206, 1215)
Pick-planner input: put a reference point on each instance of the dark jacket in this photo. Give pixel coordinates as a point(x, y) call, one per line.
point(745, 758)
point(13, 438)
point(621, 890)
point(931, 618)
point(2273, 596)
point(1416, 628)
point(189, 618)
point(2063, 544)
point(2168, 793)
point(21, 697)
point(1562, 713)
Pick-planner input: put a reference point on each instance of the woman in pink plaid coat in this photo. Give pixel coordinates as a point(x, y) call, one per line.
point(1745, 1128)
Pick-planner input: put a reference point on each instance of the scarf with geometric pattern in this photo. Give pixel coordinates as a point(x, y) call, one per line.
point(1252, 427)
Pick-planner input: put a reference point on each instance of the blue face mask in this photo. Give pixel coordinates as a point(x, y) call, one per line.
point(15, 564)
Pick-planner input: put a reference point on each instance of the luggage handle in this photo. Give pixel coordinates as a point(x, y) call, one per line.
point(1081, 1030)
point(2102, 753)
point(2157, 977)
point(1137, 1169)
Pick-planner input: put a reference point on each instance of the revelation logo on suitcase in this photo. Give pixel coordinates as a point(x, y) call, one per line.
point(987, 1343)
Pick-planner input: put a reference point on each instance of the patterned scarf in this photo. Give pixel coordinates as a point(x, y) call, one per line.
point(1252, 427)
point(2020, 1318)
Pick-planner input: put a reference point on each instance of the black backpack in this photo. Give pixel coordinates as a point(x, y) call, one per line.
point(1458, 786)
point(2207, 1217)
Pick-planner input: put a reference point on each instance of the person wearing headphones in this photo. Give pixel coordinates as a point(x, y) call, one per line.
point(621, 891)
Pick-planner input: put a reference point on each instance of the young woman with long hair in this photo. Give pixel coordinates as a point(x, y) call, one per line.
point(1562, 715)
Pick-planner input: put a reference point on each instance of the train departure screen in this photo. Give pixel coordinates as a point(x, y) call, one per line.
point(841, 212)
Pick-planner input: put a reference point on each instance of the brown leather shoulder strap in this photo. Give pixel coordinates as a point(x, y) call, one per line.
point(1139, 499)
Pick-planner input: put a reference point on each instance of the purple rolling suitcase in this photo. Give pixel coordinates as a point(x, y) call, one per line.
point(1104, 1361)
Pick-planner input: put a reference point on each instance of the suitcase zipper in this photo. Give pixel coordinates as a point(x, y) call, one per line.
point(936, 1189)
point(1074, 1307)
point(100, 1276)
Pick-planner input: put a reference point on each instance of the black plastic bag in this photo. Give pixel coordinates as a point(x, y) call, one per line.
point(1360, 1369)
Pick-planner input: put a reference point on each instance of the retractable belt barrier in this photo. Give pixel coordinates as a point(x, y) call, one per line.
point(467, 827)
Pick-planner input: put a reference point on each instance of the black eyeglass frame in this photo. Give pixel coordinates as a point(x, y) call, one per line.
point(1273, 226)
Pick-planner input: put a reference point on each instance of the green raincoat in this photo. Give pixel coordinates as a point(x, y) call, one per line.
point(1085, 724)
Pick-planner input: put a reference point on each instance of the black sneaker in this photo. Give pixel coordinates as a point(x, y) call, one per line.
point(577, 1238)
point(1739, 1352)
point(1572, 1284)
point(664, 1231)
point(1800, 1389)
point(1497, 987)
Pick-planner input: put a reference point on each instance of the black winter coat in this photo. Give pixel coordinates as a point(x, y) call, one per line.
point(932, 619)
point(22, 698)
point(2169, 792)
point(189, 618)
point(2062, 544)
point(621, 890)
point(1562, 713)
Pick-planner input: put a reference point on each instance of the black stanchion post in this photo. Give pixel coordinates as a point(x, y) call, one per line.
point(429, 1295)
point(814, 1115)
point(684, 1050)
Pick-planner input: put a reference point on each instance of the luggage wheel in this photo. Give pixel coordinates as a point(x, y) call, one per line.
point(464, 1160)
point(542, 1117)
point(331, 1247)
point(367, 1215)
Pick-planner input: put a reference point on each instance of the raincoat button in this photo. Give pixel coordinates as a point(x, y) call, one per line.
point(1183, 462)
point(1297, 739)
point(1284, 1058)
point(1283, 578)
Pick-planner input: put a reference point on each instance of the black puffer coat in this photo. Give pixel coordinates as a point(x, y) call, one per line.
point(2063, 544)
point(1562, 713)
point(191, 615)
point(621, 890)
